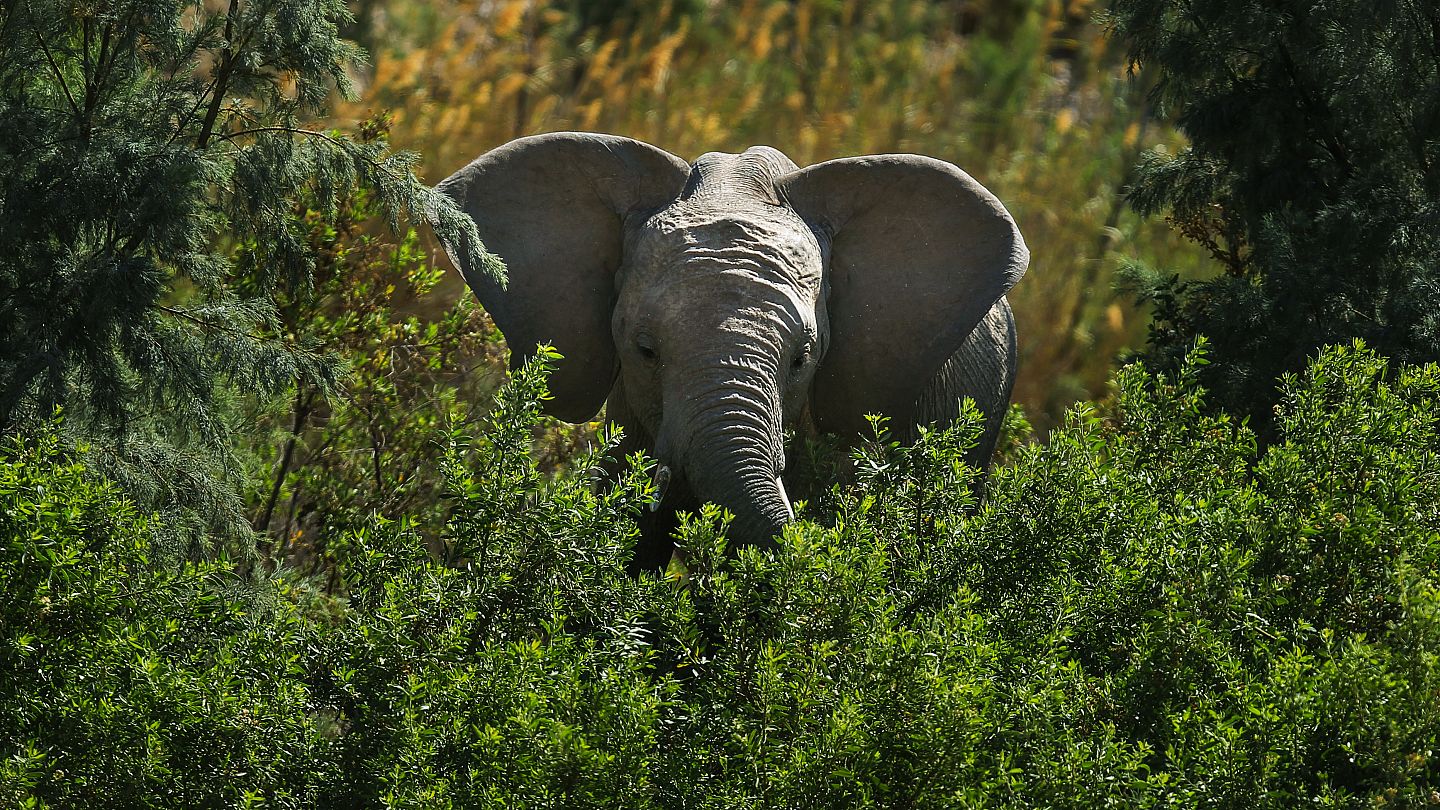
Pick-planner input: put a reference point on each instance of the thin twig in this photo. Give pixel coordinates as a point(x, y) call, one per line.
point(303, 401)
point(180, 313)
point(222, 77)
point(60, 77)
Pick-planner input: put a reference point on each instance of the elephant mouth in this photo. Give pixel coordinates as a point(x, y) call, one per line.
point(757, 501)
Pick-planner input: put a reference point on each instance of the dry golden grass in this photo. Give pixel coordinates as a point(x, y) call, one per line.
point(1025, 96)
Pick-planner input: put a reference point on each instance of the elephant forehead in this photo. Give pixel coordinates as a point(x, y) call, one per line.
point(731, 298)
point(750, 173)
point(702, 310)
point(777, 247)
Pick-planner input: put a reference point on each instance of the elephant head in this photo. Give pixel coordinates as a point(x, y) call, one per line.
point(711, 306)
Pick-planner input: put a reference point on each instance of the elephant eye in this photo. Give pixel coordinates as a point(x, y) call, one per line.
point(801, 358)
point(645, 346)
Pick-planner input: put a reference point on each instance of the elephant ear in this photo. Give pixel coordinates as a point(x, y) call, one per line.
point(919, 252)
point(553, 208)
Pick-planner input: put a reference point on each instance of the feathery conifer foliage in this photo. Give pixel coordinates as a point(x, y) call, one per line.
point(1313, 178)
point(151, 153)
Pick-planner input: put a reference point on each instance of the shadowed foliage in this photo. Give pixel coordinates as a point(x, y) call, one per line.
point(1312, 176)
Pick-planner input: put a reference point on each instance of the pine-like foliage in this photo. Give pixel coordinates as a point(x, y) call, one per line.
point(150, 153)
point(1313, 178)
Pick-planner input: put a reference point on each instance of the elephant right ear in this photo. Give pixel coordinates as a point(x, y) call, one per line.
point(553, 208)
point(919, 253)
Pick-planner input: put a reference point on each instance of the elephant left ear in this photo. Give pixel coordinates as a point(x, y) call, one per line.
point(919, 252)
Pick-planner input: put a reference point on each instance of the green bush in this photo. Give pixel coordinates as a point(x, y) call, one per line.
point(128, 679)
point(322, 463)
point(1146, 611)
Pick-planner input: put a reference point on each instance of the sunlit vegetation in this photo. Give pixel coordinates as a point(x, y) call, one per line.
point(1148, 611)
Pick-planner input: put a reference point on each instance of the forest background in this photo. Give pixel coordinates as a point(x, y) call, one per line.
point(1028, 96)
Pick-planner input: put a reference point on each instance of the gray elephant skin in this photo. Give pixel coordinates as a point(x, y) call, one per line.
point(712, 306)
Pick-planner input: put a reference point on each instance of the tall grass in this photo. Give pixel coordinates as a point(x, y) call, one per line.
point(1026, 95)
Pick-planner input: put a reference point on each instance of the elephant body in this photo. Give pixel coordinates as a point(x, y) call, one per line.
point(711, 307)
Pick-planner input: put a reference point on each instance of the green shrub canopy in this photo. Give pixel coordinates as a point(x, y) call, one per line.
point(1145, 612)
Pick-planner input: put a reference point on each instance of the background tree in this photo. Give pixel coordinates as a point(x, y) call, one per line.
point(1312, 177)
point(140, 144)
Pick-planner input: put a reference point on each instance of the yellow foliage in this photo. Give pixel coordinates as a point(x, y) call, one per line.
point(760, 44)
point(821, 80)
point(662, 55)
point(510, 85)
point(764, 37)
point(600, 62)
point(751, 100)
point(1132, 133)
point(1115, 317)
point(545, 106)
point(590, 114)
point(509, 17)
point(742, 18)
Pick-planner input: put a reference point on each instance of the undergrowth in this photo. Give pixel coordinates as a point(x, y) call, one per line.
point(1145, 611)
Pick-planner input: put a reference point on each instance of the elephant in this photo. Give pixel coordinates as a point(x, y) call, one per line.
point(710, 307)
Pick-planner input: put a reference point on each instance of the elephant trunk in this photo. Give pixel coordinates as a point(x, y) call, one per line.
point(749, 486)
point(734, 457)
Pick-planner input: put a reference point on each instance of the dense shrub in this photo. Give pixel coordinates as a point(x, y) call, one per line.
point(1147, 611)
point(1311, 175)
point(128, 679)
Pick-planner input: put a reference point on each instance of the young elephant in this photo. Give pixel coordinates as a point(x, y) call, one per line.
point(711, 306)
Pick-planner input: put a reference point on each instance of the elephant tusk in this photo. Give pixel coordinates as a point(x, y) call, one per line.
point(785, 498)
point(662, 483)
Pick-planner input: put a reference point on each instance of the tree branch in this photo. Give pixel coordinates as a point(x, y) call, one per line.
point(342, 144)
point(60, 77)
point(19, 384)
point(303, 402)
point(1317, 108)
point(231, 136)
point(222, 77)
point(180, 313)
